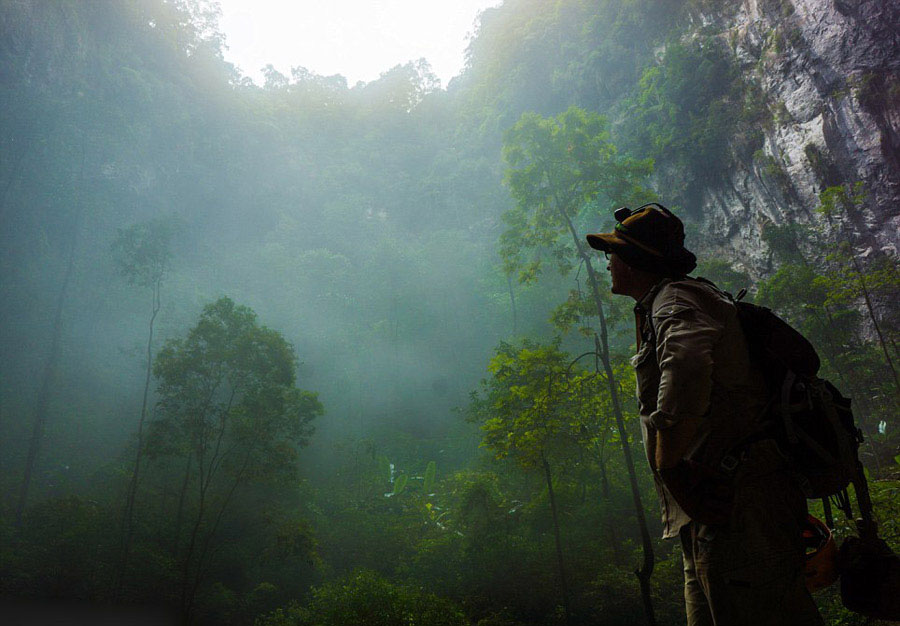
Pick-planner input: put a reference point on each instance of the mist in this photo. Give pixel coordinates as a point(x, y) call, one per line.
point(251, 331)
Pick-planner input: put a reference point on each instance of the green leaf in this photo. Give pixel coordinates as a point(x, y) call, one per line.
point(400, 484)
point(430, 472)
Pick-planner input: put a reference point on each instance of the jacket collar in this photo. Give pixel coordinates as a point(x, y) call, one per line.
point(643, 310)
point(645, 305)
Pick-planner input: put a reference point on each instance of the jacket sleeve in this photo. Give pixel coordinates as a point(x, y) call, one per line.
point(686, 333)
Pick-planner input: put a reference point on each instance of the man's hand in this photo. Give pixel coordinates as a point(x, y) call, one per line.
point(673, 443)
point(706, 495)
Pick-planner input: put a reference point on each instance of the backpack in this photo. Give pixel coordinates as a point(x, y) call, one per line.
point(813, 424)
point(808, 417)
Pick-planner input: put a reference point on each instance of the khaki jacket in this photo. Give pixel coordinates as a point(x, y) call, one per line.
point(693, 361)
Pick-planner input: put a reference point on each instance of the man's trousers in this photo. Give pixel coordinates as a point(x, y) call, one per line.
point(750, 570)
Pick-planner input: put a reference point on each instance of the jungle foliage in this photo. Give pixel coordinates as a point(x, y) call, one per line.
point(311, 353)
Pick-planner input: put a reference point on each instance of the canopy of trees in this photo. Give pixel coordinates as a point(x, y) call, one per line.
point(310, 353)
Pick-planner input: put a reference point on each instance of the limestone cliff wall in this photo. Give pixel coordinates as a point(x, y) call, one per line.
point(830, 72)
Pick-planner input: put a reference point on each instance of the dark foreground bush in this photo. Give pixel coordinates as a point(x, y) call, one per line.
point(366, 599)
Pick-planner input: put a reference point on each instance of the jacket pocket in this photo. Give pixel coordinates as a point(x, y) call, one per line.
point(647, 375)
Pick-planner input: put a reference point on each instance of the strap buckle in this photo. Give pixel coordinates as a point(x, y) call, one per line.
point(729, 463)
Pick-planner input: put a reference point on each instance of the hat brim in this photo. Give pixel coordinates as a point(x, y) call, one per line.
point(682, 263)
point(607, 242)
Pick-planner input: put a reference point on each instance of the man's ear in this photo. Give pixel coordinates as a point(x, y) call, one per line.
point(631, 274)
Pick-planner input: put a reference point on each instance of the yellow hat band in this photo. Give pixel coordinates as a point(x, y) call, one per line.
point(637, 243)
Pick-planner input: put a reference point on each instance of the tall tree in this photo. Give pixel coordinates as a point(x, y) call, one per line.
point(141, 254)
point(559, 169)
point(227, 392)
point(851, 281)
point(533, 410)
point(40, 406)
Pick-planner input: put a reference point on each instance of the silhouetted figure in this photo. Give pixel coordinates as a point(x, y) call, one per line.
point(724, 489)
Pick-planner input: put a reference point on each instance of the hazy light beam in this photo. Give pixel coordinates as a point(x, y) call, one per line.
point(355, 38)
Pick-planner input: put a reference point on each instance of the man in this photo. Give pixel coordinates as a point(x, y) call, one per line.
point(723, 487)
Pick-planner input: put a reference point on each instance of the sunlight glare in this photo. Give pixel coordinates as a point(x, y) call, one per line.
point(356, 38)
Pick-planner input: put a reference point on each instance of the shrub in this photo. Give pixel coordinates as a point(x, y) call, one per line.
point(366, 599)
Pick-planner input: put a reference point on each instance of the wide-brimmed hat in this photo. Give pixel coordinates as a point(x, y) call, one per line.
point(650, 238)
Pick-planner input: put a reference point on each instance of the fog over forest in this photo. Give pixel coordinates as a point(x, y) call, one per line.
point(271, 354)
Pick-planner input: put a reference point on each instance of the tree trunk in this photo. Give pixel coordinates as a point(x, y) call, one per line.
point(207, 473)
point(40, 409)
point(604, 478)
point(867, 297)
point(512, 303)
point(179, 516)
point(832, 355)
point(602, 346)
point(868, 300)
point(646, 570)
point(186, 601)
point(563, 581)
point(127, 518)
point(190, 593)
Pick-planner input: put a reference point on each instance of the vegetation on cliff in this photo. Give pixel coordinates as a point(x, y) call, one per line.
point(400, 267)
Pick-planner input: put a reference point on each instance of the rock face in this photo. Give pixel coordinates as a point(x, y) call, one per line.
point(830, 72)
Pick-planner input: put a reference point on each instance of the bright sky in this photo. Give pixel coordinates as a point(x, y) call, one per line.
point(359, 39)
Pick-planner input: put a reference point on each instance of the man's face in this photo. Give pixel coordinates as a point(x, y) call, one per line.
point(619, 274)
